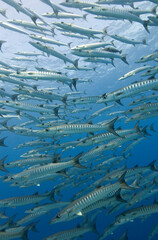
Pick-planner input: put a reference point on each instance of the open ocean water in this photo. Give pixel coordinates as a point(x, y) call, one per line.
point(70, 183)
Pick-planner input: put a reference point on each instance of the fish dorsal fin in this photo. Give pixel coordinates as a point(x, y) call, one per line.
point(36, 193)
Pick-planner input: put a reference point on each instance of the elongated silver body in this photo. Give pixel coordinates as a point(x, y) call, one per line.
point(130, 90)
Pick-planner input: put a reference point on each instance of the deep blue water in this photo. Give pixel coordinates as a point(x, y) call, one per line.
point(105, 79)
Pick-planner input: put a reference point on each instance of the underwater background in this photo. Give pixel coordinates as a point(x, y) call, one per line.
point(103, 80)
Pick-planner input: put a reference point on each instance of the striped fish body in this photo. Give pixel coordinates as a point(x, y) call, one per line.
point(117, 13)
point(74, 129)
point(26, 106)
point(69, 234)
point(138, 212)
point(37, 171)
point(147, 107)
point(23, 200)
point(76, 207)
point(77, 29)
point(130, 90)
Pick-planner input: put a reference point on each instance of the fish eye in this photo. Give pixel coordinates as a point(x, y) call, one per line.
point(47, 129)
point(58, 215)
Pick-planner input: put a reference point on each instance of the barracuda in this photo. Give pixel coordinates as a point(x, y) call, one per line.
point(130, 90)
point(15, 81)
point(76, 207)
point(24, 200)
point(78, 4)
point(31, 25)
point(118, 13)
point(51, 51)
point(63, 15)
point(6, 71)
point(48, 169)
point(134, 72)
point(100, 111)
point(152, 71)
point(19, 8)
point(142, 116)
point(138, 212)
point(41, 94)
point(91, 45)
point(127, 40)
point(30, 217)
point(133, 171)
point(98, 54)
point(144, 99)
point(56, 8)
point(30, 54)
point(107, 136)
point(26, 106)
point(149, 57)
point(72, 233)
point(78, 128)
point(11, 27)
point(147, 107)
point(39, 75)
point(84, 100)
point(47, 207)
point(47, 40)
point(99, 60)
point(28, 161)
point(77, 29)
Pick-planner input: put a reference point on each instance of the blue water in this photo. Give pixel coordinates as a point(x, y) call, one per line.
point(105, 79)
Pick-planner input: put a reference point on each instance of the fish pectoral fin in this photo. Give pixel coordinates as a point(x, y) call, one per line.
point(79, 214)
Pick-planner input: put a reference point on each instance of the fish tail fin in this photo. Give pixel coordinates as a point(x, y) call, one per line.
point(34, 87)
point(112, 62)
point(74, 82)
point(24, 232)
point(76, 63)
point(69, 44)
point(34, 19)
point(119, 197)
point(135, 183)
point(93, 225)
point(105, 31)
point(85, 16)
point(2, 142)
point(10, 221)
point(153, 10)
point(123, 57)
point(1, 42)
point(110, 126)
point(3, 215)
point(33, 226)
point(122, 182)
point(145, 24)
point(64, 99)
point(76, 161)
point(136, 127)
point(3, 12)
point(144, 131)
point(152, 127)
point(2, 168)
point(51, 194)
point(144, 41)
point(14, 96)
point(152, 166)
